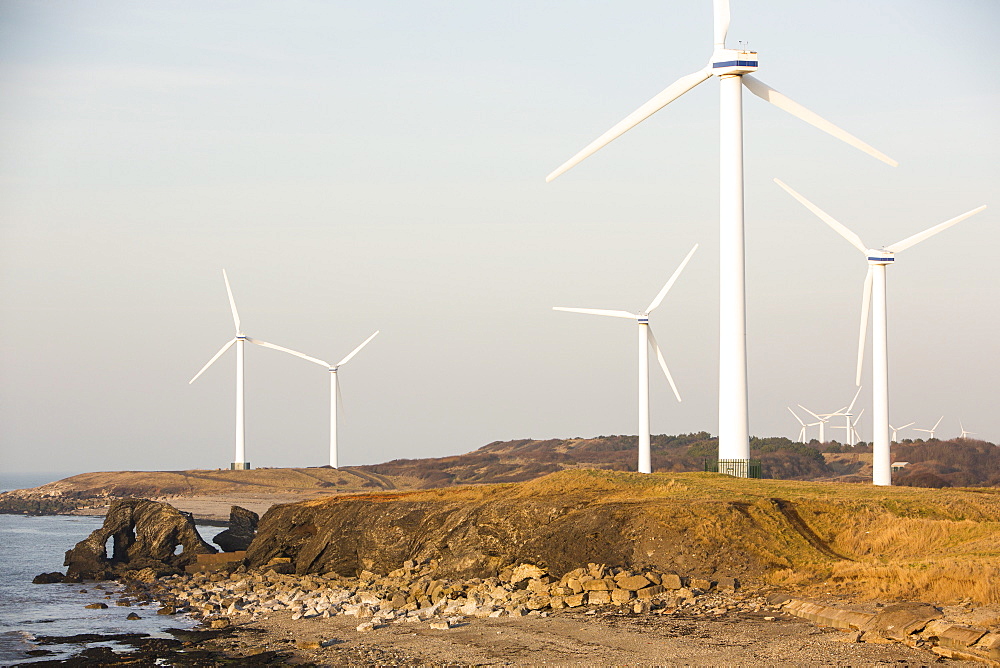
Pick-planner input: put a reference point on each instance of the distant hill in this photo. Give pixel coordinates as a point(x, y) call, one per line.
point(526, 459)
point(955, 463)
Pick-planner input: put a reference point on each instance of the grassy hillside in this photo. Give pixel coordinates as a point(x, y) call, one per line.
point(322, 480)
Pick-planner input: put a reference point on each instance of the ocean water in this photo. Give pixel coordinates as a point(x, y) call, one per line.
point(32, 545)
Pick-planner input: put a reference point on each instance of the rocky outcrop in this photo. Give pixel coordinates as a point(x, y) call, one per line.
point(557, 522)
point(241, 531)
point(144, 534)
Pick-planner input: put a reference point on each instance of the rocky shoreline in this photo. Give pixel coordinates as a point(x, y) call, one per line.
point(266, 617)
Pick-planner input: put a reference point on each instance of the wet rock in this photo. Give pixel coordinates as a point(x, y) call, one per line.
point(47, 578)
point(133, 616)
point(241, 531)
point(96, 606)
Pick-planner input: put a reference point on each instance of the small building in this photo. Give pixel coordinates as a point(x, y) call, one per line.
point(899, 466)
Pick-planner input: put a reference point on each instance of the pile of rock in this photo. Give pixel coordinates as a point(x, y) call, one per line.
point(413, 593)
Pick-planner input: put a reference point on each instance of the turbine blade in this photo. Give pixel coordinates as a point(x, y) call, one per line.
point(796, 416)
point(597, 311)
point(211, 361)
point(851, 237)
point(721, 16)
point(357, 350)
point(937, 423)
point(668, 95)
point(851, 407)
point(811, 413)
point(768, 94)
point(289, 351)
point(866, 301)
point(926, 234)
point(859, 417)
point(232, 302)
point(663, 362)
point(670, 283)
point(908, 425)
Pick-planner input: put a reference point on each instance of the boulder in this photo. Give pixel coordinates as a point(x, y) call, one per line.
point(242, 529)
point(634, 582)
point(145, 534)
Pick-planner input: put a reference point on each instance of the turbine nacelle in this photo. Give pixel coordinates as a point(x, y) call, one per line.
point(880, 256)
point(728, 62)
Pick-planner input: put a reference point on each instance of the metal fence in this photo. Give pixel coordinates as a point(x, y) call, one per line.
point(739, 468)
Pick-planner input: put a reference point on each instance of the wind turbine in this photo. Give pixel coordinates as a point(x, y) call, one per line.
point(239, 460)
point(646, 339)
point(733, 68)
point(931, 430)
point(823, 419)
point(849, 426)
point(964, 433)
point(334, 391)
point(895, 430)
point(854, 427)
point(802, 432)
point(874, 295)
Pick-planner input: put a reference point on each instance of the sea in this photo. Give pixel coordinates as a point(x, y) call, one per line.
point(30, 545)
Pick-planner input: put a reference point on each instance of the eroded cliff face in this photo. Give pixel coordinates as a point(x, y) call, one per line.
point(558, 522)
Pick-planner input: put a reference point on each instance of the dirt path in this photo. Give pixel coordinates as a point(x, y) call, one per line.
point(576, 639)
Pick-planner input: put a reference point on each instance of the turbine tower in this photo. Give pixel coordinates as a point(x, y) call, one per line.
point(646, 340)
point(873, 295)
point(896, 430)
point(240, 462)
point(733, 68)
point(334, 391)
point(931, 430)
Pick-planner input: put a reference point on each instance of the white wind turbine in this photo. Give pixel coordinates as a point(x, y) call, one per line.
point(802, 432)
point(334, 391)
point(873, 295)
point(733, 68)
point(823, 419)
point(848, 427)
point(240, 339)
point(896, 430)
point(965, 434)
point(646, 339)
point(931, 430)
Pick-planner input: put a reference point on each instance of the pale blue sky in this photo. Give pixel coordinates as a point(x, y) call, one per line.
point(360, 166)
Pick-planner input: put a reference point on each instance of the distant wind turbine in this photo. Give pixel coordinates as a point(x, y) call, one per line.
point(898, 429)
point(823, 419)
point(873, 297)
point(334, 391)
point(931, 430)
point(646, 339)
point(802, 432)
point(240, 462)
point(733, 68)
point(849, 432)
point(965, 434)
